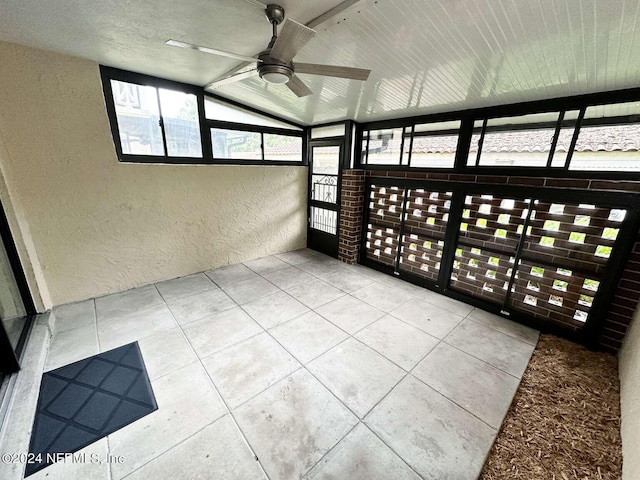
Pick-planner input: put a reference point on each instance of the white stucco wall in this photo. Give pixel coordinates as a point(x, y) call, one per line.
point(99, 226)
point(629, 364)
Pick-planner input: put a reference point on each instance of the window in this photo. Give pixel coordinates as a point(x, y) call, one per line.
point(523, 141)
point(609, 139)
point(160, 121)
point(236, 144)
point(156, 121)
point(431, 145)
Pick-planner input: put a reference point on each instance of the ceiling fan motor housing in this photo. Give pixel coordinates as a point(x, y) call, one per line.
point(274, 13)
point(273, 70)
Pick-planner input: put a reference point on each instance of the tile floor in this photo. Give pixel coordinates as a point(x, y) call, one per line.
point(296, 365)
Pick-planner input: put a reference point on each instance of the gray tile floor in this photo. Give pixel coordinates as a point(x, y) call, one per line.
point(297, 365)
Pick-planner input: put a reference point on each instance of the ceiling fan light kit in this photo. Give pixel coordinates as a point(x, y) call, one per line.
point(274, 65)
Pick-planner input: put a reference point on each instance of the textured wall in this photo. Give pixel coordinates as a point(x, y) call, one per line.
point(99, 226)
point(629, 361)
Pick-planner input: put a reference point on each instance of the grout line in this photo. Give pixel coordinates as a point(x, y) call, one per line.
point(224, 402)
point(456, 403)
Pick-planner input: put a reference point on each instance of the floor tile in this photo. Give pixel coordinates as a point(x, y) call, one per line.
point(402, 285)
point(473, 384)
point(165, 352)
point(315, 293)
point(374, 275)
point(124, 302)
point(194, 307)
point(250, 290)
point(248, 368)
point(297, 257)
point(500, 350)
point(321, 268)
point(184, 286)
point(220, 330)
point(266, 264)
point(71, 346)
point(217, 451)
point(308, 336)
point(136, 325)
point(293, 424)
point(349, 313)
point(427, 317)
point(432, 434)
point(504, 325)
point(75, 315)
point(383, 297)
point(356, 374)
point(361, 456)
point(231, 274)
point(187, 402)
point(288, 277)
point(275, 309)
point(347, 281)
point(81, 469)
point(399, 342)
point(445, 303)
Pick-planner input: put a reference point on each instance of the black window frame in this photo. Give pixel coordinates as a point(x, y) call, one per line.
point(109, 73)
point(467, 118)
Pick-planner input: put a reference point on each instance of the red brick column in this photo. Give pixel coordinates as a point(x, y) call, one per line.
point(351, 215)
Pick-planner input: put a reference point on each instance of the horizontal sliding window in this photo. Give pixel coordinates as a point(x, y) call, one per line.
point(431, 145)
point(233, 144)
point(609, 139)
point(156, 122)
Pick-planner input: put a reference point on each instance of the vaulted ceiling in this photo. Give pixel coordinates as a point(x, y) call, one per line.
point(426, 56)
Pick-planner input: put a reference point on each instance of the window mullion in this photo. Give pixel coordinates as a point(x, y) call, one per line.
point(161, 122)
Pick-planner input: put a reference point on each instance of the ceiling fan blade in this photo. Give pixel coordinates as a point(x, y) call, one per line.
point(258, 4)
point(231, 79)
point(298, 87)
point(212, 51)
point(332, 71)
point(291, 38)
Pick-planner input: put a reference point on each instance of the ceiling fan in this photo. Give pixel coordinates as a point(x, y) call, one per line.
point(275, 64)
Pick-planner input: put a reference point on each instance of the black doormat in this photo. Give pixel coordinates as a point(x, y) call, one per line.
point(87, 400)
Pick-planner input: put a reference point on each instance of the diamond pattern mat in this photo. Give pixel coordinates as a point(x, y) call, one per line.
point(87, 400)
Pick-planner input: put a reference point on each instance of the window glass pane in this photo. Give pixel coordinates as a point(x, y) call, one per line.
point(235, 144)
point(384, 147)
point(329, 131)
point(613, 147)
point(564, 139)
point(282, 148)
point(475, 140)
point(434, 151)
point(138, 118)
point(216, 110)
point(518, 146)
point(181, 123)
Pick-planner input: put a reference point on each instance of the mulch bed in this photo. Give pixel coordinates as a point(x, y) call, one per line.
point(564, 422)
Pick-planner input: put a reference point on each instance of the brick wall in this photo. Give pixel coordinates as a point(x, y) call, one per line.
point(351, 215)
point(628, 292)
point(624, 304)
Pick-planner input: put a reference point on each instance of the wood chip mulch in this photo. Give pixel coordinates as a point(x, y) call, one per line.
point(564, 422)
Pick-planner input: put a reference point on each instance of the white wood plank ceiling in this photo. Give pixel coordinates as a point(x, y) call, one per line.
point(426, 56)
